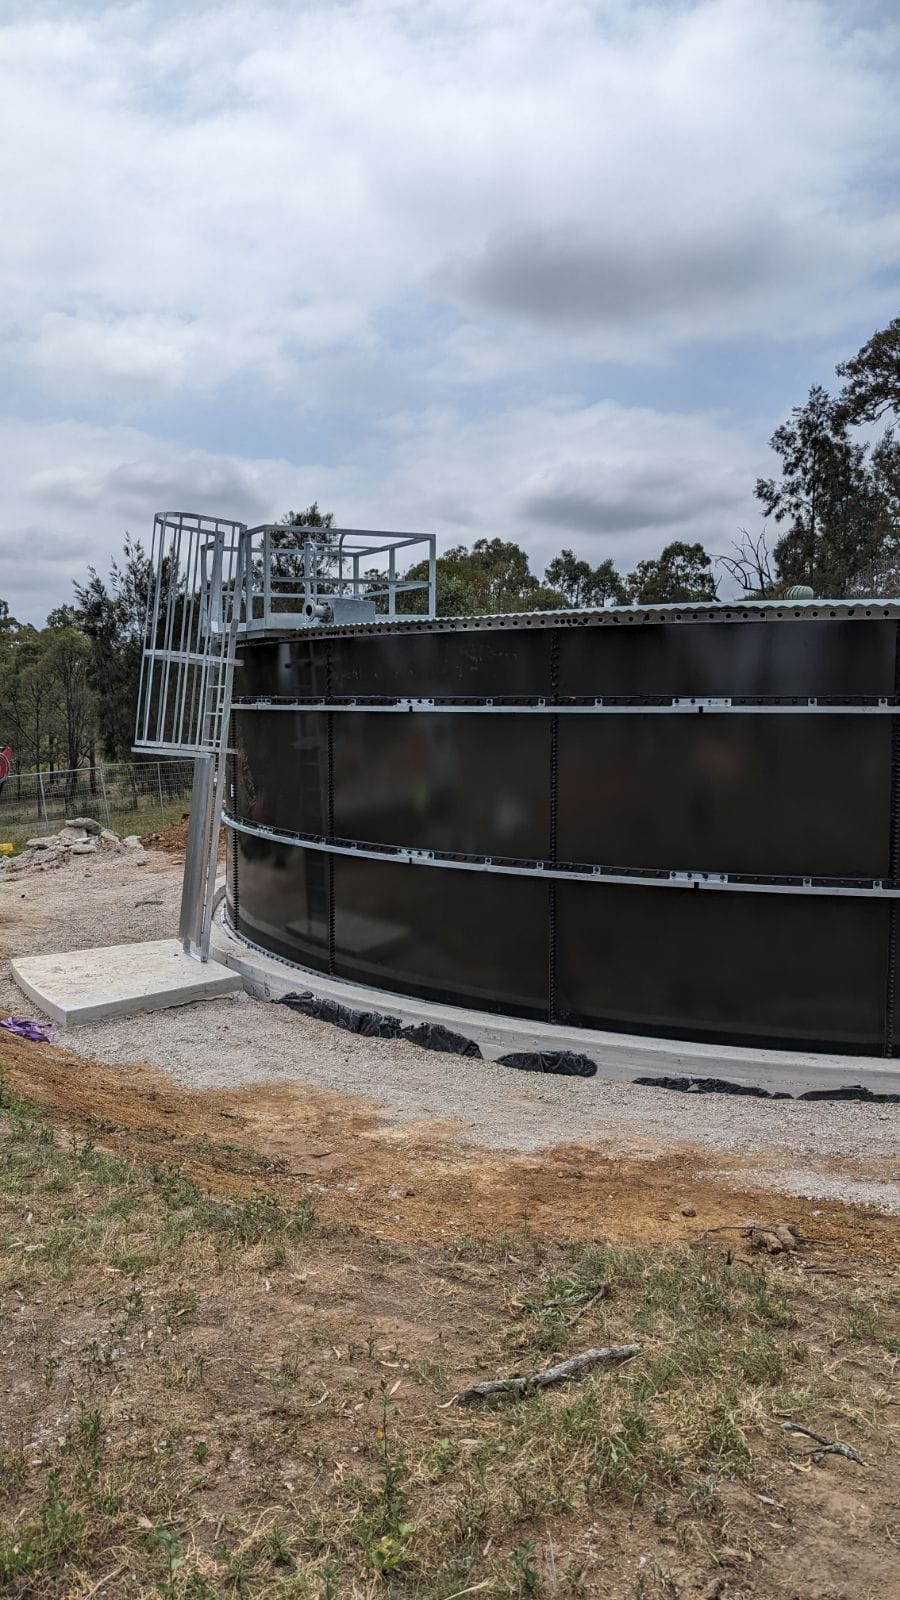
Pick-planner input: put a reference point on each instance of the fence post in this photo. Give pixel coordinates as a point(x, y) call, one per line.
point(162, 809)
point(43, 803)
point(104, 795)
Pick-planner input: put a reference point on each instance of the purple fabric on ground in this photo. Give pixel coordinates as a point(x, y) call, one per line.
point(39, 1032)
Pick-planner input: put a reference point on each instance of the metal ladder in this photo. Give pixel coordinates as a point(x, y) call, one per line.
point(197, 600)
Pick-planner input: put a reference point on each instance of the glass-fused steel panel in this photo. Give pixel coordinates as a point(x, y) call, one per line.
point(282, 899)
point(280, 767)
point(285, 668)
point(488, 662)
point(752, 657)
point(803, 793)
point(727, 793)
point(442, 933)
point(746, 968)
point(439, 782)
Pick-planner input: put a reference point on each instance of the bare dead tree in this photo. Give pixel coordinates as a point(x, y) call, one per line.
point(750, 567)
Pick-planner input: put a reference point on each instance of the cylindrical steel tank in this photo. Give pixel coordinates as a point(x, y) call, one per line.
point(681, 822)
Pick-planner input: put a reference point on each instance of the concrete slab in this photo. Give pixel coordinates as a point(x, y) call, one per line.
point(119, 980)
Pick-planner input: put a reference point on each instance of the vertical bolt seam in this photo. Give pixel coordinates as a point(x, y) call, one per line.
point(330, 810)
point(890, 996)
point(552, 917)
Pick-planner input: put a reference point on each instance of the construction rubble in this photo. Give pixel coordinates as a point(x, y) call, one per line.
point(80, 836)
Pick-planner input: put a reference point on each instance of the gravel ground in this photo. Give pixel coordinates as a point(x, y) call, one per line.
point(837, 1149)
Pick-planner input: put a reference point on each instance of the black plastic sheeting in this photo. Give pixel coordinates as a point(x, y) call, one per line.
point(797, 794)
point(562, 1063)
point(851, 1091)
point(376, 1025)
point(434, 1036)
point(711, 1086)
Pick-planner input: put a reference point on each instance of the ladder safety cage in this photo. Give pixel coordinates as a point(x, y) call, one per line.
point(195, 606)
point(196, 600)
point(212, 579)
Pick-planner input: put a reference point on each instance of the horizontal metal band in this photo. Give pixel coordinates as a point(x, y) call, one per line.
point(574, 872)
point(670, 613)
point(582, 705)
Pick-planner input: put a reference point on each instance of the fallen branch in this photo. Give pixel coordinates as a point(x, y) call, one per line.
point(600, 1293)
point(519, 1387)
point(825, 1447)
point(590, 1293)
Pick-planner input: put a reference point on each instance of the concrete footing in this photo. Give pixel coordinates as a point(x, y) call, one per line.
point(120, 980)
point(620, 1057)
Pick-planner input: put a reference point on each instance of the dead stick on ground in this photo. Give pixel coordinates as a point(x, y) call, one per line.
point(600, 1293)
point(592, 1291)
point(519, 1387)
point(827, 1447)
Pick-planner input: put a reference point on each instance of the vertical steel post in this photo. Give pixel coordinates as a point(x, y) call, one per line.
point(103, 795)
point(432, 576)
point(162, 809)
point(195, 854)
point(43, 799)
point(267, 577)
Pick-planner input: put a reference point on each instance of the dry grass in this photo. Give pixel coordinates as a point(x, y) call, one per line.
point(224, 1393)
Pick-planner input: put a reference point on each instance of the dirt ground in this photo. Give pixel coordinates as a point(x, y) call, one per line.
point(254, 1371)
point(294, 1392)
point(418, 1180)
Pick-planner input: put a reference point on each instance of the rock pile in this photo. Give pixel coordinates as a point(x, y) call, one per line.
point(80, 836)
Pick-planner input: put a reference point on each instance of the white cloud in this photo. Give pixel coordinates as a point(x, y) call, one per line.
point(611, 480)
point(404, 228)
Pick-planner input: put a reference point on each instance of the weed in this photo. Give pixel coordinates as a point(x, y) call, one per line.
point(862, 1319)
point(173, 1551)
point(440, 1457)
point(433, 1372)
point(40, 1547)
point(522, 1561)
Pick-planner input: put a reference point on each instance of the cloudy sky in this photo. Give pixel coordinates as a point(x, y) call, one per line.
point(549, 269)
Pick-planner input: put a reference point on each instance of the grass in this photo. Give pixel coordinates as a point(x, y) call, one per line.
point(226, 1395)
point(149, 818)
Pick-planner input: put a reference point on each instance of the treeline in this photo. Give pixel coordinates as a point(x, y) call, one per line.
point(68, 691)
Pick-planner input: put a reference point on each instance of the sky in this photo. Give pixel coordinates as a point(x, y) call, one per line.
point(552, 270)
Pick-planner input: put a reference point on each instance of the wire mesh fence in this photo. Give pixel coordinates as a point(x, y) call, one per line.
point(130, 797)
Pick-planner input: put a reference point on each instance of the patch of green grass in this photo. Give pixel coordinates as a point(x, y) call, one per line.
point(187, 1454)
point(41, 1547)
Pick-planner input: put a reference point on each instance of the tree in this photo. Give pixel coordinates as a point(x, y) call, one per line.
point(67, 660)
point(828, 495)
point(287, 564)
point(873, 377)
point(64, 617)
point(493, 576)
point(112, 616)
point(583, 585)
point(751, 566)
point(26, 694)
point(682, 573)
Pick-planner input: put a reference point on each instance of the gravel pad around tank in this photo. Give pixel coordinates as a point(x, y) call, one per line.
point(854, 1148)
